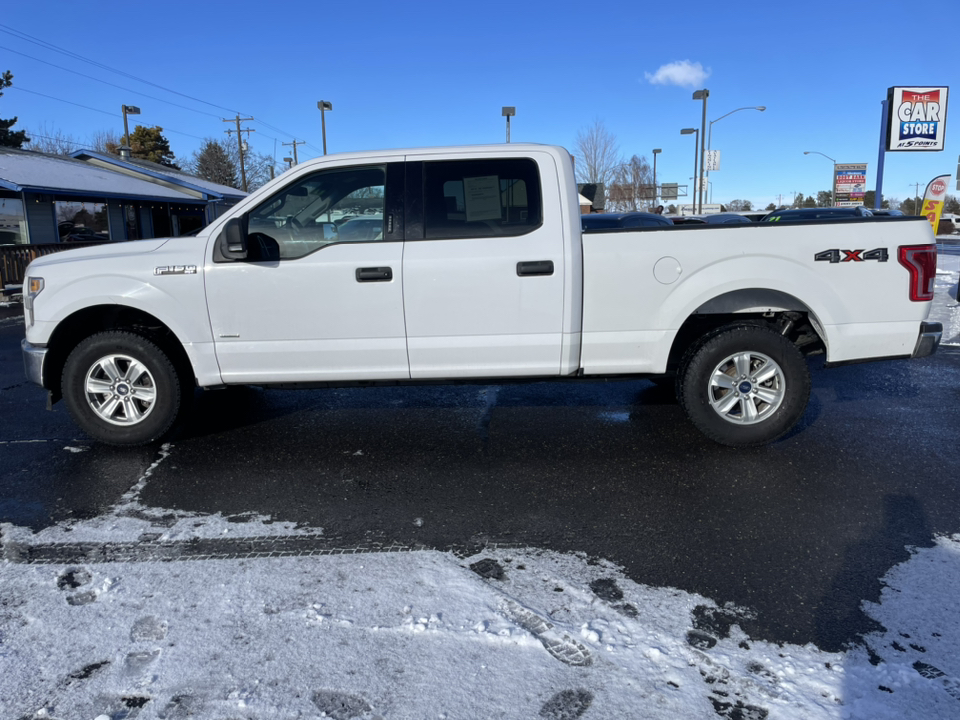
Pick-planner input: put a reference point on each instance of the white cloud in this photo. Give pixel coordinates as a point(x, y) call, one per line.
point(683, 73)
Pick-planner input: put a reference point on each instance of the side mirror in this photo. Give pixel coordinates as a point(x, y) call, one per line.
point(233, 241)
point(330, 231)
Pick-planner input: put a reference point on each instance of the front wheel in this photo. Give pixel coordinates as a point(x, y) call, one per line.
point(744, 386)
point(121, 388)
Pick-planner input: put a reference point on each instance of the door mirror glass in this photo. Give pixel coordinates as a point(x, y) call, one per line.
point(329, 231)
point(233, 241)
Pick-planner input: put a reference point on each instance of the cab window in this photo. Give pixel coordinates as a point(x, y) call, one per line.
point(481, 198)
point(333, 206)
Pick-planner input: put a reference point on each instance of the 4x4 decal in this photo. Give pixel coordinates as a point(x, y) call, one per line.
point(834, 256)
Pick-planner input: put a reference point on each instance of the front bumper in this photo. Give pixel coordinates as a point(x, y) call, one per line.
point(929, 339)
point(33, 357)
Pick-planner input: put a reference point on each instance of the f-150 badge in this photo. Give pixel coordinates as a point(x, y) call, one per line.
point(837, 256)
point(176, 270)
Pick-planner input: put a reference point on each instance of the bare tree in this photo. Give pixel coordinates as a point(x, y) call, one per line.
point(632, 187)
point(105, 141)
point(597, 154)
point(52, 141)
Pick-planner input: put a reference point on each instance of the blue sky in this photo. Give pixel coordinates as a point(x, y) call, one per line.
point(438, 73)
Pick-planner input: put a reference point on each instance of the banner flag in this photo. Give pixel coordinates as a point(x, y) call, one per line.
point(933, 200)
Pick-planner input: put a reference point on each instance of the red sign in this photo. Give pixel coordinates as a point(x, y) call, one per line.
point(912, 97)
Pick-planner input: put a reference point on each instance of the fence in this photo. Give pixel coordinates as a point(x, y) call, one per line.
point(15, 258)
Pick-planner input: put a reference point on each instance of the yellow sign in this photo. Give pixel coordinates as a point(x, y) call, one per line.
point(934, 198)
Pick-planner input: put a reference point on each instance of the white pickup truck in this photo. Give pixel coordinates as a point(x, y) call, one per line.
point(469, 264)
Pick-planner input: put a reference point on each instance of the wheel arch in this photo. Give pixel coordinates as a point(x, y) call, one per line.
point(90, 320)
point(776, 309)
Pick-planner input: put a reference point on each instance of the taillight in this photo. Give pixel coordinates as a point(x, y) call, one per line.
point(921, 261)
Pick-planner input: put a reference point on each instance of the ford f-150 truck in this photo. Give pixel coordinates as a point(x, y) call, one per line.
point(469, 264)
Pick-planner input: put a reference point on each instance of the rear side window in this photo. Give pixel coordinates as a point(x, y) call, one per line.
point(481, 198)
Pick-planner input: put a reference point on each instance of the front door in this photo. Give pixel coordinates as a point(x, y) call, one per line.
point(483, 274)
point(320, 297)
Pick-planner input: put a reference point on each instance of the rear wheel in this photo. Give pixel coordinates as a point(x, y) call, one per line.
point(745, 385)
point(121, 388)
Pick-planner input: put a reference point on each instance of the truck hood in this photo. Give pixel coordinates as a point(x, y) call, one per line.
point(112, 250)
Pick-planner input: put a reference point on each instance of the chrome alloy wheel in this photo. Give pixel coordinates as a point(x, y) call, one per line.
point(746, 388)
point(120, 390)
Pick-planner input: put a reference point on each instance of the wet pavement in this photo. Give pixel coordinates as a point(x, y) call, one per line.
point(800, 530)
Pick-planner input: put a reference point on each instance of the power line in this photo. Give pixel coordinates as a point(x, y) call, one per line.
point(36, 41)
point(68, 102)
point(105, 82)
point(69, 53)
point(87, 107)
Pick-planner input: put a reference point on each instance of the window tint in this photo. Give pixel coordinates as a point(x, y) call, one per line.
point(481, 198)
point(335, 206)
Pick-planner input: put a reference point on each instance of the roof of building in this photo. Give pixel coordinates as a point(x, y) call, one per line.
point(25, 170)
point(154, 171)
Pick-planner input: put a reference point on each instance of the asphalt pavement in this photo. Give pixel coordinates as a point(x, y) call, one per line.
point(800, 531)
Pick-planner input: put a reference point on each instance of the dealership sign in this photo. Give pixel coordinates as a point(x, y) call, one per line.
point(918, 118)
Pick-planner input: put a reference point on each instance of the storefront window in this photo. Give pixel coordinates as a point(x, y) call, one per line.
point(81, 221)
point(133, 226)
point(13, 224)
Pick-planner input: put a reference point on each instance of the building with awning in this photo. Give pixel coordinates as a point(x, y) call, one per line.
point(46, 199)
point(217, 197)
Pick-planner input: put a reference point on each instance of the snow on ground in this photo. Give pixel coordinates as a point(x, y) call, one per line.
point(167, 632)
point(945, 308)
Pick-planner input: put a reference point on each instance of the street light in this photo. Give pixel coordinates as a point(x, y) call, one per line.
point(696, 137)
point(833, 179)
point(508, 112)
point(128, 110)
point(324, 105)
point(289, 162)
point(656, 195)
point(702, 95)
point(759, 108)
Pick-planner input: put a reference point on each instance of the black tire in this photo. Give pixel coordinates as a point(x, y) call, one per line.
point(141, 391)
point(762, 403)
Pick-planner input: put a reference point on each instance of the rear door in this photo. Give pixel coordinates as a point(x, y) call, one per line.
point(483, 266)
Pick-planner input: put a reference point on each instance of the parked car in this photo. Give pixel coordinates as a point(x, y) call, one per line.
point(954, 220)
point(751, 215)
point(361, 229)
point(605, 221)
point(818, 213)
point(887, 212)
point(471, 283)
point(725, 218)
point(84, 234)
point(947, 225)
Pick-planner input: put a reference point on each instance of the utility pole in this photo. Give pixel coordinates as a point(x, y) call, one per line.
point(295, 143)
point(239, 131)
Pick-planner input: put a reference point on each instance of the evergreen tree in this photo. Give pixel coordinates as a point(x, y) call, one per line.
point(148, 143)
point(213, 162)
point(9, 138)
